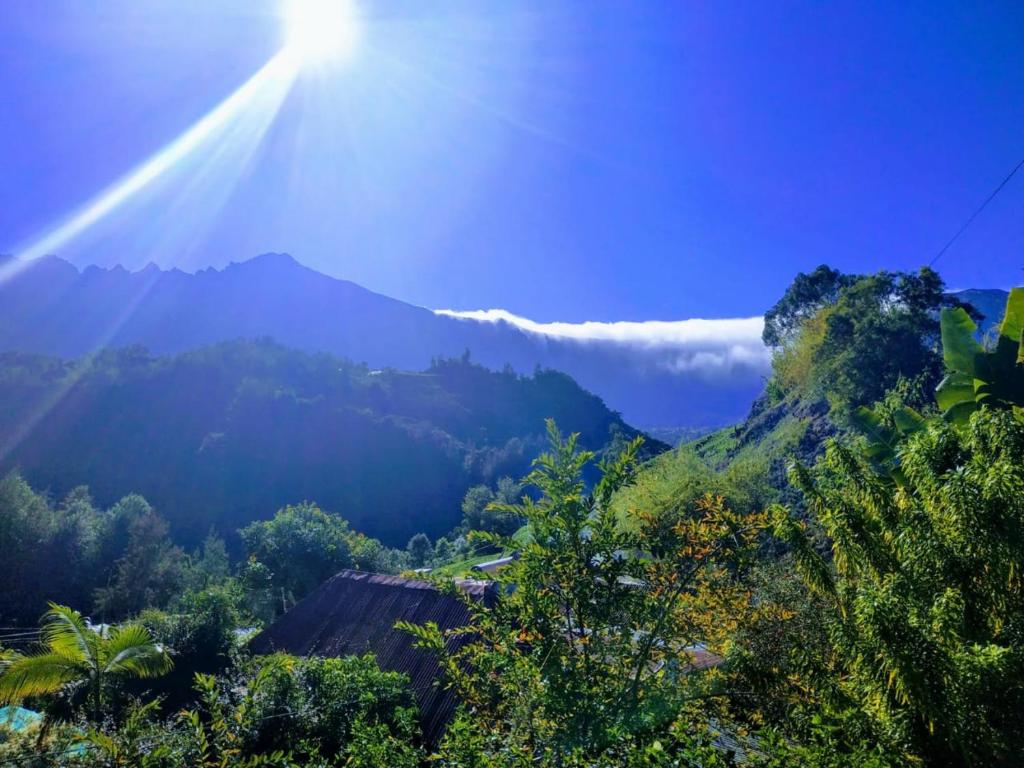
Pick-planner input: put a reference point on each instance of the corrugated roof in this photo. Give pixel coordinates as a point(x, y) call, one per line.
point(355, 612)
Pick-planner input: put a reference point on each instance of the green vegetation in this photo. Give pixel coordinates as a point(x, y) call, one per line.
point(926, 601)
point(114, 562)
point(82, 660)
point(978, 376)
point(302, 546)
point(121, 562)
point(225, 435)
point(484, 509)
point(702, 608)
point(840, 343)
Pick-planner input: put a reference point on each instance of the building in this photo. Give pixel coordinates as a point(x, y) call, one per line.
point(353, 613)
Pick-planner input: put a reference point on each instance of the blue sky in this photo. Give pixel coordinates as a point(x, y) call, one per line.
point(564, 160)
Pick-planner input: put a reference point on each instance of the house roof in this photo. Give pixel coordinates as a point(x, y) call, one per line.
point(492, 565)
point(354, 612)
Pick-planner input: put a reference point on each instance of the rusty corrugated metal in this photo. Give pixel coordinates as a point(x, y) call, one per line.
point(355, 612)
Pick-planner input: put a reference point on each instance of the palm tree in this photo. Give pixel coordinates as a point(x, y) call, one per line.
point(76, 655)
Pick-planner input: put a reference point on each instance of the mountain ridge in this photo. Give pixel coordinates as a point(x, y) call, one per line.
point(49, 306)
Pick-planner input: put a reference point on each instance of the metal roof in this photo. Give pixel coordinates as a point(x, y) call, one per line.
point(354, 612)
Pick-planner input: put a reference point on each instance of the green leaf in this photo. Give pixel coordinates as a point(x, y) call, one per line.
point(961, 412)
point(880, 439)
point(131, 650)
point(955, 388)
point(811, 566)
point(1012, 327)
point(66, 634)
point(36, 675)
point(959, 347)
point(908, 421)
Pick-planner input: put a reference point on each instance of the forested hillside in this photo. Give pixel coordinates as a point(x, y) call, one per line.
point(841, 342)
point(227, 434)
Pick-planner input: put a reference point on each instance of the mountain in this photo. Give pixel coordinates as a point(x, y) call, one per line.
point(990, 302)
point(794, 418)
point(696, 379)
point(816, 386)
point(229, 433)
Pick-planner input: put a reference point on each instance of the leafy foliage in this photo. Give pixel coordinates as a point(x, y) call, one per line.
point(116, 561)
point(486, 509)
point(307, 709)
point(880, 329)
point(977, 376)
point(148, 574)
point(803, 299)
point(928, 595)
point(926, 522)
point(82, 660)
point(301, 546)
point(601, 622)
point(420, 550)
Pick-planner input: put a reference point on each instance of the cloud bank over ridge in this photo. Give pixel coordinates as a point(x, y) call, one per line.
point(697, 346)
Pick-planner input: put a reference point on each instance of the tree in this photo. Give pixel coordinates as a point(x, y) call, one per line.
point(473, 505)
point(310, 709)
point(35, 535)
point(209, 566)
point(301, 546)
point(148, 574)
point(444, 550)
point(926, 520)
point(851, 339)
point(420, 549)
point(200, 626)
point(484, 509)
point(925, 586)
point(78, 658)
point(596, 633)
point(883, 328)
point(805, 296)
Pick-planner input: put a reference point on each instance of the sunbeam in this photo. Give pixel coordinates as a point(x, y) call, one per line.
point(227, 135)
point(255, 102)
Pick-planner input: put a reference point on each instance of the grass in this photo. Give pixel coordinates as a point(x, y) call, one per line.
point(464, 567)
point(715, 447)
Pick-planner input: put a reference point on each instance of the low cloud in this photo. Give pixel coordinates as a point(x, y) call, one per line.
point(700, 346)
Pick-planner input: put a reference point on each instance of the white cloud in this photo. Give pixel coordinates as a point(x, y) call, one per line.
point(680, 346)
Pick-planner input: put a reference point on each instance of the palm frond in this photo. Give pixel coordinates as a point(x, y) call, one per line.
point(35, 675)
point(65, 633)
point(130, 649)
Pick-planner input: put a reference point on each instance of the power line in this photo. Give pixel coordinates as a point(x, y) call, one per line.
point(974, 215)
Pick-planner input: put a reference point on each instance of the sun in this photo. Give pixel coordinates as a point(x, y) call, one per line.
point(321, 30)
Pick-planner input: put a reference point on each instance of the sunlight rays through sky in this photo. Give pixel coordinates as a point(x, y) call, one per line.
point(235, 127)
point(348, 142)
point(214, 152)
point(332, 136)
point(527, 155)
point(212, 155)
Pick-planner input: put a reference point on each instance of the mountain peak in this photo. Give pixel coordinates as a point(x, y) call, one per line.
point(270, 259)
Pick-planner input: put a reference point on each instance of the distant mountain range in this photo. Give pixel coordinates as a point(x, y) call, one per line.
point(688, 374)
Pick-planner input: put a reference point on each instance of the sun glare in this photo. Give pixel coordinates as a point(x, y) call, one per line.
point(321, 30)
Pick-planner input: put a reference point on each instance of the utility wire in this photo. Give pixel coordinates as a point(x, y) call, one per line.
point(974, 215)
